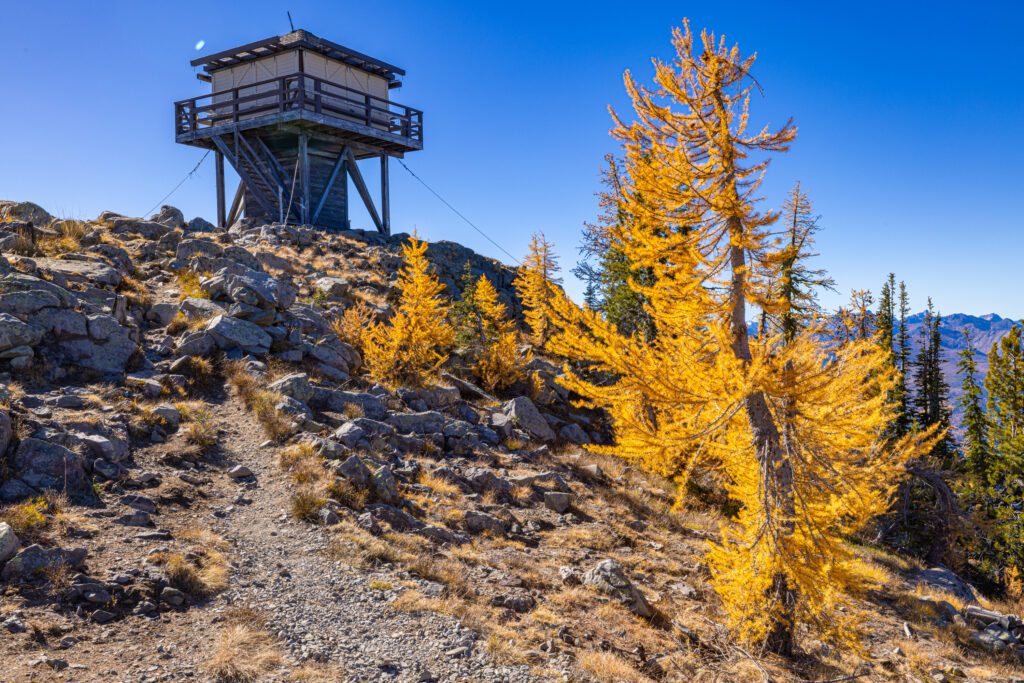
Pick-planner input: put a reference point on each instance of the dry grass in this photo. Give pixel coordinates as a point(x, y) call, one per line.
point(306, 504)
point(260, 401)
point(135, 291)
point(28, 519)
point(202, 572)
point(441, 487)
point(243, 654)
point(68, 239)
point(606, 667)
point(200, 428)
point(188, 283)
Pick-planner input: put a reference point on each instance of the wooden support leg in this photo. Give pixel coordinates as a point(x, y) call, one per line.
point(221, 214)
point(304, 207)
point(385, 196)
point(357, 179)
point(236, 205)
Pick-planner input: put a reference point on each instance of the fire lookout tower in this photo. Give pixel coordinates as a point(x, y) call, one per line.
point(293, 115)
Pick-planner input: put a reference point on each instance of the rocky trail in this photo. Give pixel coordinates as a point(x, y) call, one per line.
point(324, 609)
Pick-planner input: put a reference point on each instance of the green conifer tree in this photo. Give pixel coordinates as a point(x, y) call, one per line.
point(1005, 386)
point(975, 423)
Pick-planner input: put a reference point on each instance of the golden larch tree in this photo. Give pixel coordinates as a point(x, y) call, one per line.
point(535, 285)
point(498, 363)
point(414, 343)
point(792, 428)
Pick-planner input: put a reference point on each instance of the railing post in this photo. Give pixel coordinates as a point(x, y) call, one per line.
point(234, 105)
point(366, 98)
point(302, 91)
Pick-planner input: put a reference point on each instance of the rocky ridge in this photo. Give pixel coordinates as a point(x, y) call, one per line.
point(463, 537)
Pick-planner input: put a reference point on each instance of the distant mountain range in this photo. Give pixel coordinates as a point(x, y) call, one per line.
point(985, 331)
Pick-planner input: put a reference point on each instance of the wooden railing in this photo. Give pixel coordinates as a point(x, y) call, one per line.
point(289, 93)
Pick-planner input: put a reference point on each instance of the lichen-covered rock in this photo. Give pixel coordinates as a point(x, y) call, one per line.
point(525, 415)
point(296, 386)
point(609, 577)
point(44, 465)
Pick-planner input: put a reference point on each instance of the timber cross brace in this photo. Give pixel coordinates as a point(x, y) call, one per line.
point(296, 135)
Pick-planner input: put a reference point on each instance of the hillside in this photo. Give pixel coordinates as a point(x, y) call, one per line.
point(199, 482)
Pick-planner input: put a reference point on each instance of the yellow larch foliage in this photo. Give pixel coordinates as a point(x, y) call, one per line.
point(792, 428)
point(498, 365)
point(535, 285)
point(410, 348)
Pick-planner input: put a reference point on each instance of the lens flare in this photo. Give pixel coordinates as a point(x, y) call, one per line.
point(200, 44)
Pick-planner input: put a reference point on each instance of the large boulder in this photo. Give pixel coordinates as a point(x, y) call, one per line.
point(525, 415)
point(44, 465)
point(234, 333)
point(35, 559)
point(609, 578)
point(28, 212)
point(169, 216)
point(84, 272)
point(295, 386)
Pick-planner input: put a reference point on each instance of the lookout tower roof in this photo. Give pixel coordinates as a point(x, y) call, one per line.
point(294, 40)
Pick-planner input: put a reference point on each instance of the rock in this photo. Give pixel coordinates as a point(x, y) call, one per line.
point(477, 522)
point(135, 518)
point(102, 616)
point(169, 216)
point(195, 307)
point(429, 422)
point(517, 601)
point(525, 415)
point(332, 288)
point(172, 596)
point(296, 386)
point(34, 559)
point(6, 433)
point(234, 333)
point(592, 471)
point(198, 224)
point(84, 272)
point(609, 577)
point(162, 313)
point(112, 450)
point(572, 432)
point(384, 485)
point(329, 517)
point(239, 472)
point(44, 465)
point(27, 212)
point(189, 248)
point(14, 332)
point(337, 401)
point(354, 471)
point(947, 581)
point(9, 542)
point(109, 470)
point(570, 576)
point(558, 501)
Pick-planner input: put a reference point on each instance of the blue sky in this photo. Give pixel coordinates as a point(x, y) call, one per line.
point(911, 118)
